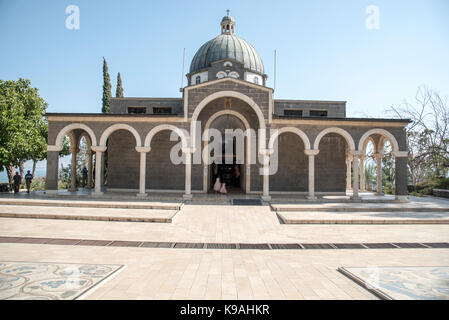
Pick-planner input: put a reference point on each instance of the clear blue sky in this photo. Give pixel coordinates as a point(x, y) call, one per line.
point(325, 51)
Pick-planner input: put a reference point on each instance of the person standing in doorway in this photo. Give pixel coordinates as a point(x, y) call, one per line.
point(17, 179)
point(28, 179)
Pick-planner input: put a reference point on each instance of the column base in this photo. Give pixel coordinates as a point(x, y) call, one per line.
point(402, 198)
point(358, 198)
point(141, 195)
point(73, 189)
point(265, 198)
point(51, 191)
point(97, 194)
point(187, 196)
point(311, 197)
point(380, 194)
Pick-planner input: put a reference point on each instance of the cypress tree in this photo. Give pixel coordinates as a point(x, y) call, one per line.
point(119, 90)
point(106, 88)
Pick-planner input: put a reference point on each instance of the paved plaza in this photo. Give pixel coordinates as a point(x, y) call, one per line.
point(208, 272)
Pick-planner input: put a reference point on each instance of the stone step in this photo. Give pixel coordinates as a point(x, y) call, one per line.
point(93, 203)
point(378, 217)
point(357, 207)
point(83, 213)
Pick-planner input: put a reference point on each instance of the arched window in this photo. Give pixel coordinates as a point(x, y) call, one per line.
point(197, 80)
point(256, 80)
point(221, 74)
point(234, 75)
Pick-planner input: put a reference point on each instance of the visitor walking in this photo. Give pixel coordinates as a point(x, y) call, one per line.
point(28, 179)
point(85, 171)
point(17, 181)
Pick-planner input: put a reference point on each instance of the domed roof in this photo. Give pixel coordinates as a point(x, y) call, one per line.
point(226, 46)
point(227, 18)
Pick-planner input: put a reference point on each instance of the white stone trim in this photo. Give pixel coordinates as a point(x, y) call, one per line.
point(335, 122)
point(311, 152)
point(340, 131)
point(70, 127)
point(382, 132)
point(143, 149)
point(163, 127)
point(300, 133)
point(239, 81)
point(120, 126)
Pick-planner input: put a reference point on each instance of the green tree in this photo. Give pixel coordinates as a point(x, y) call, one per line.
point(23, 127)
point(119, 90)
point(106, 89)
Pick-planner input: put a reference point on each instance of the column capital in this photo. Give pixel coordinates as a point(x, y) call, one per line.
point(266, 152)
point(143, 149)
point(311, 152)
point(53, 148)
point(378, 154)
point(98, 148)
point(74, 150)
point(188, 150)
point(397, 154)
point(356, 153)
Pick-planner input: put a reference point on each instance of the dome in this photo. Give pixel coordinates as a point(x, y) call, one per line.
point(227, 46)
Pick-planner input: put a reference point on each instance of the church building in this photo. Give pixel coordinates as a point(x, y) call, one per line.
point(319, 151)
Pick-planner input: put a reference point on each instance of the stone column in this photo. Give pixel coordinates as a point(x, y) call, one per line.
point(362, 173)
point(98, 169)
point(311, 153)
point(74, 152)
point(266, 174)
point(401, 177)
point(355, 171)
point(188, 182)
point(379, 173)
point(142, 173)
point(348, 172)
point(89, 169)
point(51, 181)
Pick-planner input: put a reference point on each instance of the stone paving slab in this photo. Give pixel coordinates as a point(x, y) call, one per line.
point(83, 213)
point(365, 207)
point(92, 203)
point(226, 274)
point(336, 217)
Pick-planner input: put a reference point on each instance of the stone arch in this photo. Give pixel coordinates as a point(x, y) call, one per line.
point(162, 127)
point(120, 126)
point(294, 130)
point(340, 131)
point(248, 144)
point(384, 133)
point(226, 94)
point(67, 129)
point(365, 144)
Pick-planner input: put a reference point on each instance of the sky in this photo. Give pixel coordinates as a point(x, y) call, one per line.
point(325, 51)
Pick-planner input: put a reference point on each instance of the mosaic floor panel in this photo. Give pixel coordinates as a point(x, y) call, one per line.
point(50, 281)
point(403, 283)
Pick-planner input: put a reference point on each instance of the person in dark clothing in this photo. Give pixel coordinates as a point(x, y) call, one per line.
point(85, 171)
point(17, 181)
point(28, 179)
